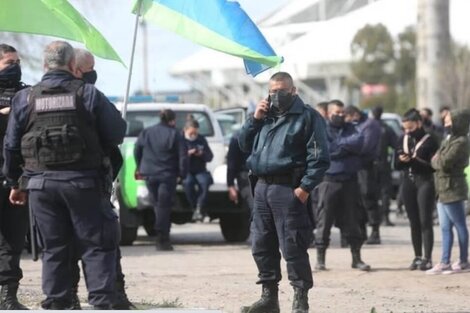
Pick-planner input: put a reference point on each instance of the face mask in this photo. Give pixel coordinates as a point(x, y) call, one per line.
point(90, 77)
point(337, 120)
point(418, 132)
point(11, 75)
point(190, 138)
point(282, 101)
point(427, 123)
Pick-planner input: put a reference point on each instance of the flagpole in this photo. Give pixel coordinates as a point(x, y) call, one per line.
point(129, 77)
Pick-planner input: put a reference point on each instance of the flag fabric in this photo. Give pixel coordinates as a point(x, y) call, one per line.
point(56, 18)
point(217, 24)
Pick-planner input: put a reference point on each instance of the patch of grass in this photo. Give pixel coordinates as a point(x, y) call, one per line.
point(165, 303)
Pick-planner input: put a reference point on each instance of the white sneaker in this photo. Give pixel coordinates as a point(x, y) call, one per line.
point(439, 268)
point(458, 267)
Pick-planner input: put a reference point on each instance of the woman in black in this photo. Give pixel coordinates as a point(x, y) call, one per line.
point(413, 156)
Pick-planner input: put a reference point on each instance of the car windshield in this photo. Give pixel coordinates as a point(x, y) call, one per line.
point(138, 120)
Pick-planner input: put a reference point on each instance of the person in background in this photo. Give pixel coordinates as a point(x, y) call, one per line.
point(429, 126)
point(322, 108)
point(443, 111)
point(197, 182)
point(413, 156)
point(450, 162)
point(237, 170)
point(162, 157)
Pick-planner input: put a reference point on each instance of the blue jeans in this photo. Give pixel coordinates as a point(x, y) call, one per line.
point(197, 197)
point(453, 214)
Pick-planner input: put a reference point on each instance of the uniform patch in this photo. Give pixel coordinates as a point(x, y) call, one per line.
point(55, 103)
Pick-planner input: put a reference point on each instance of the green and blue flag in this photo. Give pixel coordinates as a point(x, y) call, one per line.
point(217, 24)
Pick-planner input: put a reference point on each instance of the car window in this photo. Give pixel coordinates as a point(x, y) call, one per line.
point(394, 124)
point(138, 120)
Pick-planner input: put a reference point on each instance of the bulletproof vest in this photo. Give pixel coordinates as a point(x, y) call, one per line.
point(60, 134)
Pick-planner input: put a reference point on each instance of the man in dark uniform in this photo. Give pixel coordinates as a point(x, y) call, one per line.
point(55, 139)
point(338, 194)
point(289, 155)
point(13, 218)
point(85, 70)
point(161, 157)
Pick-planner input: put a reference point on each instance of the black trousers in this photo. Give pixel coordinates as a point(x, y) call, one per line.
point(419, 199)
point(162, 195)
point(244, 188)
point(280, 220)
point(339, 201)
point(385, 185)
point(370, 191)
point(13, 229)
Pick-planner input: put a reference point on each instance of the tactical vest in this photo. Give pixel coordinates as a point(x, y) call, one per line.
point(60, 134)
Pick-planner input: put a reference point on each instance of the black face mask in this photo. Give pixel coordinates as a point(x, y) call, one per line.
point(281, 101)
point(427, 123)
point(417, 133)
point(448, 130)
point(337, 120)
point(90, 77)
point(11, 75)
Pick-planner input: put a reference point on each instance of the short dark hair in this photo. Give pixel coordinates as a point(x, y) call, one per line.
point(412, 115)
point(351, 109)
point(282, 76)
point(428, 111)
point(4, 49)
point(444, 108)
point(167, 116)
point(377, 112)
point(191, 123)
point(323, 105)
point(336, 102)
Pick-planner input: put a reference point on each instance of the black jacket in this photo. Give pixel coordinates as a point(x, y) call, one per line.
point(197, 163)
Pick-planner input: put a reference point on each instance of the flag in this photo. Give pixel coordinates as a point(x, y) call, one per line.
point(56, 18)
point(217, 24)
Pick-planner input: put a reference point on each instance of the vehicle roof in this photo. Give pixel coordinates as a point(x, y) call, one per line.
point(387, 115)
point(157, 106)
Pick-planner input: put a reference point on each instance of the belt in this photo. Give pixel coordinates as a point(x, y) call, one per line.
point(276, 179)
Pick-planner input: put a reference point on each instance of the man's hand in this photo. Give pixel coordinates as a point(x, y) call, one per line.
point(192, 151)
point(301, 194)
point(262, 109)
point(18, 197)
point(233, 194)
point(405, 158)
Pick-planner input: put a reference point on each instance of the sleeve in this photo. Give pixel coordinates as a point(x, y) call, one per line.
point(248, 133)
point(397, 164)
point(232, 161)
point(447, 158)
point(207, 154)
point(182, 156)
point(351, 144)
point(139, 148)
point(317, 161)
point(371, 138)
point(13, 161)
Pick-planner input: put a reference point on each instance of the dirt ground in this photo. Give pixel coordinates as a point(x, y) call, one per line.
point(205, 272)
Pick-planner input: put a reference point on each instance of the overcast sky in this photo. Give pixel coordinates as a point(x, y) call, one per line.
point(114, 20)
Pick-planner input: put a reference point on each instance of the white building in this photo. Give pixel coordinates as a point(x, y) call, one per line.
point(314, 38)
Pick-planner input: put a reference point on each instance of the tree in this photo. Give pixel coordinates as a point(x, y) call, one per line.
point(405, 70)
point(457, 78)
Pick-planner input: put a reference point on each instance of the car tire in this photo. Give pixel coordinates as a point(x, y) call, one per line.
point(235, 227)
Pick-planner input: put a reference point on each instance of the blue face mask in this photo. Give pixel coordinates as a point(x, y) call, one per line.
point(11, 75)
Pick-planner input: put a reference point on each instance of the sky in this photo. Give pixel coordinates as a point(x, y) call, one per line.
point(114, 20)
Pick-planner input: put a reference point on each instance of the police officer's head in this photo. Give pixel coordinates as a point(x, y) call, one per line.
point(168, 117)
point(10, 70)
point(322, 108)
point(282, 92)
point(412, 123)
point(191, 129)
point(59, 55)
point(352, 114)
point(336, 113)
point(85, 66)
point(377, 112)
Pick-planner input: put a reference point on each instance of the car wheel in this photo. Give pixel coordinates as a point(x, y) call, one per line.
point(235, 227)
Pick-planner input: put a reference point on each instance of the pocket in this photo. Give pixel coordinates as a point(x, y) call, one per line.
point(83, 183)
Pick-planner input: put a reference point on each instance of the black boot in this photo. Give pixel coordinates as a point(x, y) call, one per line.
point(122, 302)
point(163, 243)
point(344, 241)
point(102, 307)
point(374, 238)
point(8, 299)
point(320, 266)
point(75, 299)
point(268, 303)
point(357, 262)
point(300, 303)
point(56, 304)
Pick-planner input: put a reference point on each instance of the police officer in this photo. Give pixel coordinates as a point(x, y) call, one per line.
point(13, 218)
point(161, 156)
point(289, 155)
point(56, 133)
point(85, 70)
point(367, 175)
point(338, 194)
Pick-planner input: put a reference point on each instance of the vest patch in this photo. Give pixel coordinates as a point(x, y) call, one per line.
point(55, 103)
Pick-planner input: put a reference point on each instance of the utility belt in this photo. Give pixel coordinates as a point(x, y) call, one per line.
point(291, 179)
point(340, 178)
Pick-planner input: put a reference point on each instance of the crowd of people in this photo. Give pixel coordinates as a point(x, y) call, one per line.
point(300, 171)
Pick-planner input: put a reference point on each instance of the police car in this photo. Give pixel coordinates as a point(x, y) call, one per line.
point(132, 196)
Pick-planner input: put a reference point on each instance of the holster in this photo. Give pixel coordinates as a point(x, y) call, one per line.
point(253, 180)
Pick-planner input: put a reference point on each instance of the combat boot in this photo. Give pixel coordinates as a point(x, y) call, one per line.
point(75, 299)
point(300, 303)
point(102, 307)
point(374, 238)
point(163, 243)
point(8, 299)
point(320, 266)
point(357, 262)
point(122, 302)
point(268, 303)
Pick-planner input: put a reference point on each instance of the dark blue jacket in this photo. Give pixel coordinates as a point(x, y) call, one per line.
point(110, 127)
point(160, 152)
point(296, 140)
point(236, 160)
point(345, 146)
point(371, 130)
point(197, 163)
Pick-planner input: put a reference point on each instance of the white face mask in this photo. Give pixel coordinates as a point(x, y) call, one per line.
point(190, 138)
